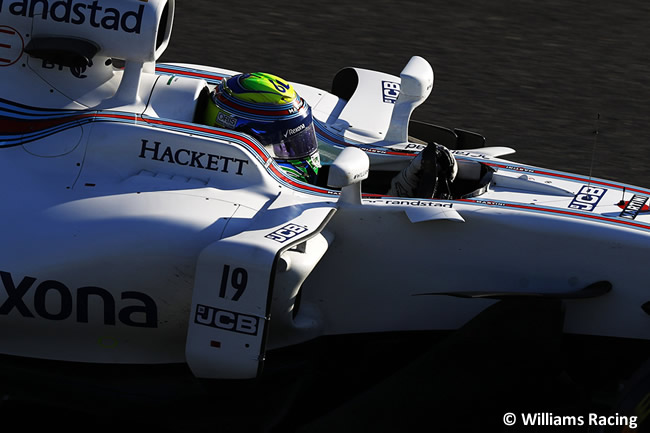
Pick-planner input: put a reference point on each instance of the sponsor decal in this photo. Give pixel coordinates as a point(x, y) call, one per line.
point(415, 146)
point(315, 159)
point(192, 158)
point(294, 131)
point(53, 300)
point(373, 150)
point(490, 203)
point(632, 208)
point(287, 232)
point(516, 168)
point(390, 91)
point(11, 45)
point(362, 175)
point(411, 203)
point(470, 154)
point(587, 198)
point(77, 13)
point(226, 320)
point(226, 120)
point(76, 71)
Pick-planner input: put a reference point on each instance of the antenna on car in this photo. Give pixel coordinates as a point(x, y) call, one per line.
point(593, 151)
point(622, 202)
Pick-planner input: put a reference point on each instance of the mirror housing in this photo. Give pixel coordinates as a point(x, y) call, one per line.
point(347, 171)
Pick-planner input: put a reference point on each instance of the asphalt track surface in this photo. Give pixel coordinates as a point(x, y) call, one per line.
point(531, 75)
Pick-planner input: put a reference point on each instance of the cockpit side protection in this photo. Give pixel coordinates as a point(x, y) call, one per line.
point(201, 104)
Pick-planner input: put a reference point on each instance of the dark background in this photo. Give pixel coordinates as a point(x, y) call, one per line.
point(531, 75)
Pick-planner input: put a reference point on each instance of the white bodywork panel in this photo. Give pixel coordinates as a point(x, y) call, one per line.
point(132, 234)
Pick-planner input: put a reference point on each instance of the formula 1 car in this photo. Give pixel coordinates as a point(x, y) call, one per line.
point(134, 235)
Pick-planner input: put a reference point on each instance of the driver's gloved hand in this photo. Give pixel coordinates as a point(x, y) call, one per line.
point(447, 168)
point(424, 176)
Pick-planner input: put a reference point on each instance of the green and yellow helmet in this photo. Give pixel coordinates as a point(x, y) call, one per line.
point(269, 109)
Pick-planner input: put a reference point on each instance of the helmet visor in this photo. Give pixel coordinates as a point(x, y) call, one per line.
point(294, 139)
point(296, 144)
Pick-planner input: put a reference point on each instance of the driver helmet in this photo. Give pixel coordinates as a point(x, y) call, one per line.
point(269, 109)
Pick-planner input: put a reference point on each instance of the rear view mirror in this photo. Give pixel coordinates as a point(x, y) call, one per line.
point(350, 167)
point(347, 171)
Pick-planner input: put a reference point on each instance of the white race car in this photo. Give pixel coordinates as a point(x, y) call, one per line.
point(134, 235)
